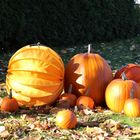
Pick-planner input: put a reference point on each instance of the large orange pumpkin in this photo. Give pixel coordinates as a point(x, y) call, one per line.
point(132, 72)
point(88, 71)
point(118, 91)
point(35, 75)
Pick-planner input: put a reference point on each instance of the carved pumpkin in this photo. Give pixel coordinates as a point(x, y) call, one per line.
point(88, 70)
point(9, 104)
point(132, 72)
point(118, 91)
point(132, 106)
point(35, 73)
point(66, 119)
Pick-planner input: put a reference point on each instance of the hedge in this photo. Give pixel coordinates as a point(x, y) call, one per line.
point(61, 23)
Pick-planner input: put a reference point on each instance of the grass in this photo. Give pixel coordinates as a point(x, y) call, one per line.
point(131, 121)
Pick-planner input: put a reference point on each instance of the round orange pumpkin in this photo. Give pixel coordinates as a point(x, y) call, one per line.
point(66, 119)
point(9, 104)
point(35, 74)
point(132, 106)
point(118, 91)
point(88, 70)
point(85, 101)
point(131, 71)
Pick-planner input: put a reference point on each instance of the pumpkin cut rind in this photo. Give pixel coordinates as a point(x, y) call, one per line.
point(35, 74)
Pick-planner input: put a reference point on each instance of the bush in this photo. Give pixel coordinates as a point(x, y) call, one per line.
point(66, 22)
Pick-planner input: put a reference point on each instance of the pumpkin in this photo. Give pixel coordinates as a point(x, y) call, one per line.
point(35, 74)
point(9, 104)
point(85, 101)
point(69, 97)
point(132, 72)
point(132, 106)
point(118, 91)
point(66, 119)
point(88, 70)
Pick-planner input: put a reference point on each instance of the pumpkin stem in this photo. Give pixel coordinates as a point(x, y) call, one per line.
point(87, 92)
point(38, 44)
point(124, 76)
point(10, 95)
point(89, 48)
point(132, 93)
point(70, 88)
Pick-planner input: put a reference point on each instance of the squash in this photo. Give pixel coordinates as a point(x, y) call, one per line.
point(9, 104)
point(66, 119)
point(118, 91)
point(132, 72)
point(35, 74)
point(88, 70)
point(132, 106)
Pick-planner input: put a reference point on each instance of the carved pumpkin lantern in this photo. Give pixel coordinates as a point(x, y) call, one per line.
point(88, 70)
point(35, 75)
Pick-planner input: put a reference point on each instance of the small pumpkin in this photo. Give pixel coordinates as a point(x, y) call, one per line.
point(85, 101)
point(132, 72)
point(88, 70)
point(66, 119)
point(132, 106)
point(69, 97)
point(9, 104)
point(118, 91)
point(35, 74)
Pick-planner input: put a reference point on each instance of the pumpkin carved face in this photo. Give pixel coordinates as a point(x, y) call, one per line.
point(35, 73)
point(88, 70)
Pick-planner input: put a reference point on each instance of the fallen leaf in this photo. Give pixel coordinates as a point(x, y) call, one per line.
point(4, 134)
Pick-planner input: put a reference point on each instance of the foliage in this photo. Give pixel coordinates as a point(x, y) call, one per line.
point(65, 23)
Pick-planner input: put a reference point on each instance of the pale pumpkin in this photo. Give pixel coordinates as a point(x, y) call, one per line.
point(88, 70)
point(35, 74)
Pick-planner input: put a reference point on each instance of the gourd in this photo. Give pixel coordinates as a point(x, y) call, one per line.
point(66, 119)
point(88, 70)
point(9, 104)
point(35, 74)
point(118, 91)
